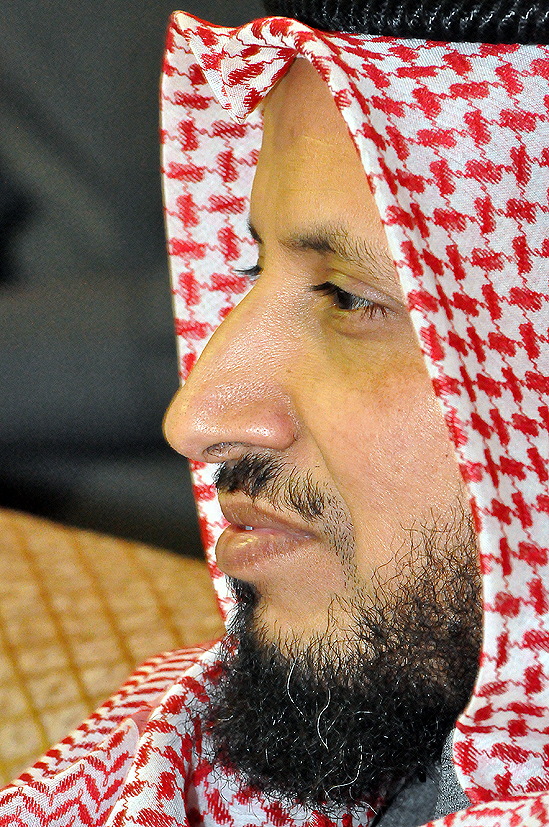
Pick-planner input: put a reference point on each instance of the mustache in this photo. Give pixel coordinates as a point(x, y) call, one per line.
point(269, 478)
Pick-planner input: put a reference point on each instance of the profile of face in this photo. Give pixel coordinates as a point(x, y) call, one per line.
point(336, 463)
point(318, 369)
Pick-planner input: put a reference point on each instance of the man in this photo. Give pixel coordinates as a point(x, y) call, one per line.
point(399, 213)
point(348, 513)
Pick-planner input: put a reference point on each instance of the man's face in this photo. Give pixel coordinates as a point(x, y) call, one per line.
point(318, 371)
point(351, 545)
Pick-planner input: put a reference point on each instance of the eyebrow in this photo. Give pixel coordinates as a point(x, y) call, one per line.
point(336, 239)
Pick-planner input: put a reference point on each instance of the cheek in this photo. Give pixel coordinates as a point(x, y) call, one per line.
point(389, 454)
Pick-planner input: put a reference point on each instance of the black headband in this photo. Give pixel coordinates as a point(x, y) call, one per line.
point(486, 21)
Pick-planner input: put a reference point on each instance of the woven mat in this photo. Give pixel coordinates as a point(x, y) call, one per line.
point(78, 611)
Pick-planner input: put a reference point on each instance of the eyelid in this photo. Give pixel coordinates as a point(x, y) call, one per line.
point(361, 290)
point(358, 282)
point(331, 288)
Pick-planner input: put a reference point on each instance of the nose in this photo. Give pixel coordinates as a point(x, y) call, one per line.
point(235, 399)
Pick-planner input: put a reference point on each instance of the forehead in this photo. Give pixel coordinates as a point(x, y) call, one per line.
point(309, 172)
point(301, 107)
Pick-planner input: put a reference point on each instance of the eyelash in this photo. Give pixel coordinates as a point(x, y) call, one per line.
point(349, 302)
point(251, 273)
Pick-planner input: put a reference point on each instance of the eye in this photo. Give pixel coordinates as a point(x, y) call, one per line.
point(251, 273)
point(342, 300)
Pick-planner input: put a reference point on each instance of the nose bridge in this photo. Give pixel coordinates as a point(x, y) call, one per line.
point(234, 396)
point(241, 355)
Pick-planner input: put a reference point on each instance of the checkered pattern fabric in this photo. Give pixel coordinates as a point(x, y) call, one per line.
point(454, 140)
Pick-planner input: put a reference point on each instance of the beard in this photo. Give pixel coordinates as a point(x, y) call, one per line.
point(346, 718)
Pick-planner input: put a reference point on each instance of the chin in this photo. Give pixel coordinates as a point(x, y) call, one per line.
point(375, 682)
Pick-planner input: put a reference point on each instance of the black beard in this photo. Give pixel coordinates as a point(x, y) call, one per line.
point(347, 720)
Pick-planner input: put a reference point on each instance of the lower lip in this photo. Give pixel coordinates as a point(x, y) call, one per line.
point(241, 552)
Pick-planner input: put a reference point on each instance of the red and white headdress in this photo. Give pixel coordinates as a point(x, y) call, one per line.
point(454, 140)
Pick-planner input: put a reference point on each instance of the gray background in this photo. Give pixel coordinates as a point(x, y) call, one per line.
point(87, 355)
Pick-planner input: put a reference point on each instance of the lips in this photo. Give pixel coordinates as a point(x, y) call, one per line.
point(257, 537)
point(241, 511)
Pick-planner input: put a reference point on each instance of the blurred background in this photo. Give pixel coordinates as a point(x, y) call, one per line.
point(87, 351)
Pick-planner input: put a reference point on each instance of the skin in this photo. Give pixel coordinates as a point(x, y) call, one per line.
point(332, 386)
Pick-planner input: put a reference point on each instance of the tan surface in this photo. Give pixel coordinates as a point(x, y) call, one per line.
point(78, 611)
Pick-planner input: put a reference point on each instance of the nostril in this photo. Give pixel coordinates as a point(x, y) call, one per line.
point(218, 448)
point(221, 451)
